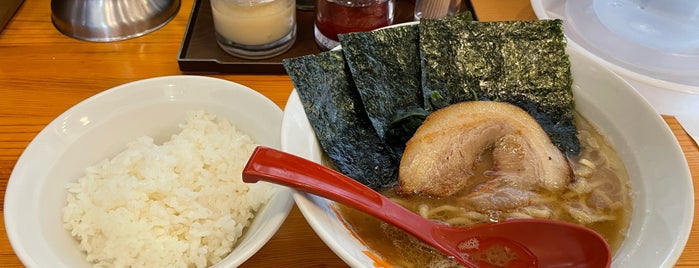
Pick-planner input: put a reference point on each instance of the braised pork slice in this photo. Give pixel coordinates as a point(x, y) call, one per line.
point(439, 159)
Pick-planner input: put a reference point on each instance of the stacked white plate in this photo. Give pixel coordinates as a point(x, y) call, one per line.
point(653, 45)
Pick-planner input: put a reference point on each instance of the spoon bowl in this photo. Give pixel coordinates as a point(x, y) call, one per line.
point(518, 243)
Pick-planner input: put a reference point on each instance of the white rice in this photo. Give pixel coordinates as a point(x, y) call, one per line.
point(179, 204)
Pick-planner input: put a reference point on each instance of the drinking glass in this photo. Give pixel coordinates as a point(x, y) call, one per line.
point(254, 29)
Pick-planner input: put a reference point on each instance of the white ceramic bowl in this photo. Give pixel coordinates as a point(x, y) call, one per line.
point(660, 179)
point(100, 127)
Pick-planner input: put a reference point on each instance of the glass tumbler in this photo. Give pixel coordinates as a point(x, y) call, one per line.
point(254, 29)
point(335, 17)
point(666, 25)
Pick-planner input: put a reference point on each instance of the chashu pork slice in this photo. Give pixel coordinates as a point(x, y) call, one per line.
point(441, 156)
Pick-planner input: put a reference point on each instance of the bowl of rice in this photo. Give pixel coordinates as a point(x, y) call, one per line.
point(148, 174)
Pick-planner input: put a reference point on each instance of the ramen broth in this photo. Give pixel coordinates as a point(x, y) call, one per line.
point(598, 197)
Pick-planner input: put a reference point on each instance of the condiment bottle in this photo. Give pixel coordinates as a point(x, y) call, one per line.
point(436, 9)
point(335, 17)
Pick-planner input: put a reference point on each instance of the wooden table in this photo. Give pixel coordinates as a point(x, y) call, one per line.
point(43, 73)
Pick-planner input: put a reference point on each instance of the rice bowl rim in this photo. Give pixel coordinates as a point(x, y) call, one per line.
point(654, 205)
point(26, 183)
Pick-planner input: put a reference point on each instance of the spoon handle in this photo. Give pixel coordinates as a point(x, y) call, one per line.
point(267, 164)
point(282, 168)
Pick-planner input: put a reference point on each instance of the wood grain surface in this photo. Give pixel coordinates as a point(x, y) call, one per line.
point(43, 73)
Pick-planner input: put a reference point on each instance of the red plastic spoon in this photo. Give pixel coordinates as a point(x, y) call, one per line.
point(510, 243)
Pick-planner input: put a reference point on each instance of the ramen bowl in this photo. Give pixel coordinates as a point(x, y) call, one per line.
point(660, 182)
point(100, 127)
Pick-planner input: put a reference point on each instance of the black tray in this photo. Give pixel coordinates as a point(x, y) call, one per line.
point(199, 52)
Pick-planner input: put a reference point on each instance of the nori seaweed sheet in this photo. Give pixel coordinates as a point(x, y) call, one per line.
point(520, 62)
point(523, 63)
point(337, 116)
point(385, 66)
